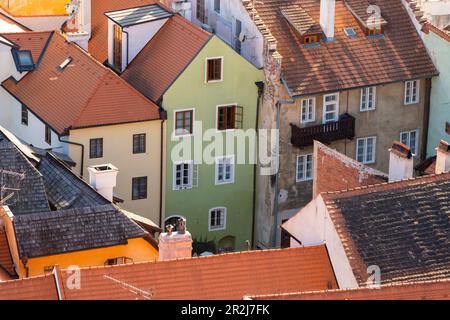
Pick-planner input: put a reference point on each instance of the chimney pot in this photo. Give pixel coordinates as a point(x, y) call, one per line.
point(443, 157)
point(181, 228)
point(175, 245)
point(401, 163)
point(327, 17)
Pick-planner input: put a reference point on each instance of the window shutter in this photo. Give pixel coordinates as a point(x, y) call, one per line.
point(239, 118)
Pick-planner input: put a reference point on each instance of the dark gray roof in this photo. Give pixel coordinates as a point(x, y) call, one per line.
point(133, 16)
point(57, 232)
point(64, 189)
point(18, 173)
point(401, 227)
point(58, 155)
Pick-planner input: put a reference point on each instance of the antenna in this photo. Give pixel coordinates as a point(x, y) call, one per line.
point(10, 182)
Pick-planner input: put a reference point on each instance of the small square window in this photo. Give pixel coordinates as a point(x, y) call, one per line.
point(410, 138)
point(214, 69)
point(412, 92)
point(308, 110)
point(217, 219)
point(368, 98)
point(183, 174)
point(184, 122)
point(225, 170)
point(350, 32)
point(96, 148)
point(365, 150)
point(304, 168)
point(139, 143)
point(139, 188)
point(23, 60)
point(229, 117)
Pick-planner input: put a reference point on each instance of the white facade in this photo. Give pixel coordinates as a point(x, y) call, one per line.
point(313, 226)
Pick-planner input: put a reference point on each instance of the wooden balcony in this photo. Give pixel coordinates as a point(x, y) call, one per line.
point(344, 128)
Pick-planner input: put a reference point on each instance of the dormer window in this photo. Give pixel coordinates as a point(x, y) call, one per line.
point(310, 39)
point(370, 32)
point(23, 60)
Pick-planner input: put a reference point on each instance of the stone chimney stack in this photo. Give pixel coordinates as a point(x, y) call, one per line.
point(327, 16)
point(175, 245)
point(103, 179)
point(401, 164)
point(443, 157)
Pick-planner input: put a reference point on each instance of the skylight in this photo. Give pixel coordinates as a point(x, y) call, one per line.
point(23, 60)
point(350, 32)
point(65, 63)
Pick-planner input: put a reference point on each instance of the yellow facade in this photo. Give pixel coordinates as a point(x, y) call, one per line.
point(118, 150)
point(139, 250)
point(28, 8)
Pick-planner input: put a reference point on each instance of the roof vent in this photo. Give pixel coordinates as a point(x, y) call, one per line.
point(66, 62)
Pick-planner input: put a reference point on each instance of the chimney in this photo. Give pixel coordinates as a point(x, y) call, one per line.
point(443, 157)
point(401, 164)
point(78, 26)
point(175, 245)
point(327, 15)
point(103, 179)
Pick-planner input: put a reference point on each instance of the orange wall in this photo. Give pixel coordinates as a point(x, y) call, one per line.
point(137, 249)
point(26, 8)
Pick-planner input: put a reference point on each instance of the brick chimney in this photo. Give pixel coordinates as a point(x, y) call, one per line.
point(401, 164)
point(103, 179)
point(327, 15)
point(175, 245)
point(443, 157)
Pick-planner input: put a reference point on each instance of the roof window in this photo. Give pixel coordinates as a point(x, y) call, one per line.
point(23, 60)
point(65, 63)
point(350, 32)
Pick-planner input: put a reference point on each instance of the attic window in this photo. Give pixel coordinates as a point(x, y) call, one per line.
point(66, 62)
point(310, 39)
point(350, 32)
point(23, 60)
point(373, 32)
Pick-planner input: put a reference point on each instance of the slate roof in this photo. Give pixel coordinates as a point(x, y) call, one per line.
point(64, 231)
point(165, 57)
point(84, 94)
point(402, 227)
point(137, 15)
point(345, 63)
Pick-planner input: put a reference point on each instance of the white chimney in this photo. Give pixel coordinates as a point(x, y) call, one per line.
point(401, 164)
point(103, 179)
point(79, 24)
point(175, 245)
point(443, 157)
point(327, 15)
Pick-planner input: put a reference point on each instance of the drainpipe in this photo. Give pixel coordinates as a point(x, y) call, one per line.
point(82, 153)
point(161, 175)
point(260, 86)
point(128, 47)
point(277, 175)
point(426, 118)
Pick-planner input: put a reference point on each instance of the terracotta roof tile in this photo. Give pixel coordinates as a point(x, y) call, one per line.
point(84, 94)
point(229, 276)
point(6, 262)
point(162, 60)
point(429, 290)
point(347, 62)
point(33, 41)
point(38, 288)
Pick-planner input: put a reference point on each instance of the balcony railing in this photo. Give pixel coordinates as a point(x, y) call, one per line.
point(344, 128)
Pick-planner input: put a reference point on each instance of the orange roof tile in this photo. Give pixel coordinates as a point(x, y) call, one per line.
point(228, 276)
point(84, 94)
point(6, 262)
point(37, 288)
point(429, 290)
point(98, 44)
point(346, 62)
point(33, 41)
point(163, 59)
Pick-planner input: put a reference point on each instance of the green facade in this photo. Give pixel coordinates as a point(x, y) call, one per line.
point(189, 91)
point(440, 91)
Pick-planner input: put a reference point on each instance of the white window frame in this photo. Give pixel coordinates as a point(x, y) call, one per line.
point(206, 69)
point(374, 153)
point(224, 218)
point(174, 132)
point(190, 185)
point(311, 116)
point(232, 172)
point(365, 92)
point(416, 146)
point(325, 104)
point(305, 164)
point(409, 85)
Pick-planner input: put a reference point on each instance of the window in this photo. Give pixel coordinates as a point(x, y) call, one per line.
point(139, 143)
point(139, 188)
point(217, 6)
point(96, 148)
point(310, 39)
point(217, 219)
point(214, 69)
point(308, 112)
point(368, 98)
point(48, 269)
point(116, 261)
point(201, 11)
point(48, 135)
point(411, 139)
point(374, 32)
point(117, 47)
point(184, 120)
point(225, 170)
point(24, 115)
point(183, 175)
point(411, 92)
point(304, 167)
point(365, 150)
point(350, 32)
point(23, 60)
point(229, 117)
point(330, 107)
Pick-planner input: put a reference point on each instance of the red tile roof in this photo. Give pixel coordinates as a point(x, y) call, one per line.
point(346, 62)
point(98, 44)
point(430, 290)
point(164, 58)
point(228, 276)
point(33, 41)
point(84, 94)
point(37, 288)
point(444, 34)
point(6, 262)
